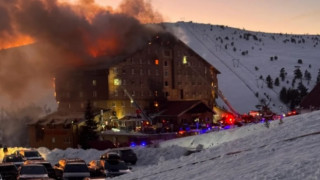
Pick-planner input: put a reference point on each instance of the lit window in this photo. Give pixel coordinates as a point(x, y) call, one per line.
point(53, 140)
point(156, 104)
point(94, 82)
point(55, 94)
point(156, 62)
point(116, 82)
point(184, 60)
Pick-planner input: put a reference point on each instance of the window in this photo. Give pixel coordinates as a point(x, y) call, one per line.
point(53, 140)
point(157, 72)
point(94, 82)
point(156, 93)
point(69, 106)
point(140, 61)
point(141, 71)
point(123, 71)
point(166, 83)
point(124, 82)
point(94, 94)
point(81, 94)
point(82, 105)
point(167, 94)
point(156, 61)
point(132, 71)
point(166, 73)
point(116, 82)
point(149, 71)
point(113, 104)
point(184, 60)
point(165, 63)
point(115, 93)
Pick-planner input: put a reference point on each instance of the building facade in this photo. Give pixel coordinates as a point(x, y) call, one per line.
point(165, 69)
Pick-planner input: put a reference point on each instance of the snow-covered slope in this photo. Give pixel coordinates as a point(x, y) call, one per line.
point(284, 151)
point(239, 80)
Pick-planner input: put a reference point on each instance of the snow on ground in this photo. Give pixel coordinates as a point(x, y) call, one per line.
point(283, 151)
point(239, 80)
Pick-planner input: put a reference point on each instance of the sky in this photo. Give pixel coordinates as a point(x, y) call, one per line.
point(287, 151)
point(285, 16)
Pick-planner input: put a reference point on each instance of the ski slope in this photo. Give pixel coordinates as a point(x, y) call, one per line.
point(239, 79)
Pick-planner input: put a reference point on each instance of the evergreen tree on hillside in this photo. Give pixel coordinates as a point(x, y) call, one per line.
point(269, 82)
point(318, 77)
point(303, 91)
point(283, 95)
point(282, 74)
point(307, 75)
point(88, 131)
point(276, 82)
point(297, 73)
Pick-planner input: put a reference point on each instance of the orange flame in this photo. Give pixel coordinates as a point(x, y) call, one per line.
point(19, 40)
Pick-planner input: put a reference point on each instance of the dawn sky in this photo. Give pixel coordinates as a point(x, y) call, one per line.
point(286, 16)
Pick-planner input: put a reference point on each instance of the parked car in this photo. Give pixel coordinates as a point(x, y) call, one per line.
point(29, 154)
point(71, 169)
point(108, 168)
point(46, 164)
point(32, 171)
point(126, 154)
point(17, 160)
point(8, 171)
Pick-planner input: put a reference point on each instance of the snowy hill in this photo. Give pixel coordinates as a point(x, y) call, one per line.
point(284, 151)
point(244, 57)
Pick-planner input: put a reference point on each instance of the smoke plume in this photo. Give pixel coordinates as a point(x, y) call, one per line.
point(41, 37)
point(66, 36)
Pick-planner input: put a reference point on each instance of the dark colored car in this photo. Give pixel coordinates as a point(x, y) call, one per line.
point(71, 169)
point(46, 164)
point(17, 160)
point(29, 154)
point(8, 171)
point(108, 168)
point(32, 171)
point(126, 154)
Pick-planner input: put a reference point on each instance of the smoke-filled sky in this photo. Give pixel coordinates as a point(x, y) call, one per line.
point(285, 16)
point(64, 36)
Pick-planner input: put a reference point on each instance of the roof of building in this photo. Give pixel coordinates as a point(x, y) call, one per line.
point(178, 108)
point(58, 118)
point(312, 99)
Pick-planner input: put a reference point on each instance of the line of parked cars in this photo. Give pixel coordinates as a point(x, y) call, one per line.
point(29, 164)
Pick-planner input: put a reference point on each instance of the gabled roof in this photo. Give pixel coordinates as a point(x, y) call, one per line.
point(312, 99)
point(58, 118)
point(178, 108)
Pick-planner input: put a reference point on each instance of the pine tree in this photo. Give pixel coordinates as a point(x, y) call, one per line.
point(303, 91)
point(283, 95)
point(277, 82)
point(318, 77)
point(88, 131)
point(269, 82)
point(282, 74)
point(297, 73)
point(307, 76)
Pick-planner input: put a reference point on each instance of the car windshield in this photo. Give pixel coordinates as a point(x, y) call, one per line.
point(33, 170)
point(115, 165)
point(13, 159)
point(76, 168)
point(31, 154)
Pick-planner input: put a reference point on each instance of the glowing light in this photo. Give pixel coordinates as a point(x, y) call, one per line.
point(143, 143)
point(184, 60)
point(132, 144)
point(156, 62)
